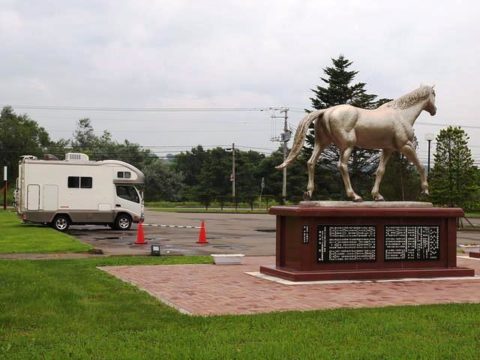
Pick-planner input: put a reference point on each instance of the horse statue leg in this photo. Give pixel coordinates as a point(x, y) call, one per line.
point(343, 167)
point(317, 151)
point(386, 153)
point(409, 151)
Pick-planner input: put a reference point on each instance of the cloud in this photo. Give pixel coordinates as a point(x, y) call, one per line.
point(234, 53)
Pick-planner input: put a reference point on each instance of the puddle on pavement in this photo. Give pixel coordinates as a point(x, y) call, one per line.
point(266, 230)
point(230, 247)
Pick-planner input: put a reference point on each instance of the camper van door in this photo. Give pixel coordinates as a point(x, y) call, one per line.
point(129, 199)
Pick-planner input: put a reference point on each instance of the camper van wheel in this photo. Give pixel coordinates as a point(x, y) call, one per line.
point(61, 222)
point(123, 222)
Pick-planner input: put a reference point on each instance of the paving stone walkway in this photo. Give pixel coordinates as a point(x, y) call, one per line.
point(228, 289)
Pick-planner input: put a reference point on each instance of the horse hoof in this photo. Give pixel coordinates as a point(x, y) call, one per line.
point(378, 198)
point(357, 199)
point(425, 192)
point(307, 196)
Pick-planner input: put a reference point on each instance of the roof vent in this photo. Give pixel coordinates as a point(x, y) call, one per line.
point(76, 157)
point(49, 157)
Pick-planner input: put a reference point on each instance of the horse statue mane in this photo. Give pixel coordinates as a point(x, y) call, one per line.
point(410, 99)
point(389, 127)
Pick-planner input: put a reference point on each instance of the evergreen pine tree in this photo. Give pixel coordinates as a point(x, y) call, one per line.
point(401, 180)
point(453, 179)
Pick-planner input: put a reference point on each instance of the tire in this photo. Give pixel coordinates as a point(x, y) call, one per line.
point(61, 223)
point(123, 222)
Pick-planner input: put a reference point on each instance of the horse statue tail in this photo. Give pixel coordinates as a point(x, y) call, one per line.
point(300, 135)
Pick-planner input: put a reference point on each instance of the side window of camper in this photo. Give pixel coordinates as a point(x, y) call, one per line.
point(128, 193)
point(124, 174)
point(76, 182)
point(86, 182)
point(73, 182)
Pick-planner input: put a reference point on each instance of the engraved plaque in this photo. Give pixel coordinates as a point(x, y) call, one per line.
point(412, 242)
point(305, 234)
point(345, 243)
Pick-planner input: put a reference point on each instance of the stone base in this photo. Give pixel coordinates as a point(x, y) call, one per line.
point(227, 259)
point(467, 249)
point(295, 275)
point(366, 204)
point(365, 241)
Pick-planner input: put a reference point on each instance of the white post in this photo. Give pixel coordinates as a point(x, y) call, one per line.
point(5, 188)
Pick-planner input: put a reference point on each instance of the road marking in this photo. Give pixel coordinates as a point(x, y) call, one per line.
point(173, 226)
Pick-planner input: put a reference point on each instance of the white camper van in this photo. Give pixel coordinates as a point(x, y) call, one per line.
point(78, 191)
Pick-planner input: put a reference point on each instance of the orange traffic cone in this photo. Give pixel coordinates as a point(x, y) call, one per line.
point(140, 235)
point(202, 236)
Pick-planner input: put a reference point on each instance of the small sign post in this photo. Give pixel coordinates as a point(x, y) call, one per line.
point(4, 188)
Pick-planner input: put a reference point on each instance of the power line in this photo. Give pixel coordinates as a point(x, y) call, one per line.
point(182, 109)
point(252, 147)
point(442, 125)
point(100, 118)
point(181, 146)
point(135, 109)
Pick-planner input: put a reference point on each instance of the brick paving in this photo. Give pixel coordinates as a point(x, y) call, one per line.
point(227, 289)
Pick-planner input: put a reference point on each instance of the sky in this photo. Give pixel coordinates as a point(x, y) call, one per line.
point(61, 61)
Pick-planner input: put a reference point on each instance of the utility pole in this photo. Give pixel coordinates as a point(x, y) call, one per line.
point(233, 174)
point(284, 138)
point(262, 186)
point(233, 171)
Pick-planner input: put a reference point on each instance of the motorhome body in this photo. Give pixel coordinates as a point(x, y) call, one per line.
point(78, 191)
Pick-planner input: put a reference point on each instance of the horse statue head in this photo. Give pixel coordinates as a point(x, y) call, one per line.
point(430, 106)
point(424, 96)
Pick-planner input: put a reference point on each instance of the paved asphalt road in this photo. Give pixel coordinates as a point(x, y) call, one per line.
point(226, 233)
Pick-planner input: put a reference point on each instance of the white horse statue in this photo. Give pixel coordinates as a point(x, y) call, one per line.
point(390, 128)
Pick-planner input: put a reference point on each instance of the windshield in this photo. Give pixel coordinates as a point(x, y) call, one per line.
point(128, 192)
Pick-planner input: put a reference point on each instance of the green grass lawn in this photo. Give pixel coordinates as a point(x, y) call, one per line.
point(16, 237)
point(472, 214)
point(62, 309)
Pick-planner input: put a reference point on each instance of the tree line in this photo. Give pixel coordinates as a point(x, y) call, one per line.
point(205, 175)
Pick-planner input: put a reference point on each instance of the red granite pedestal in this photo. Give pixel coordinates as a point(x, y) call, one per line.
point(365, 243)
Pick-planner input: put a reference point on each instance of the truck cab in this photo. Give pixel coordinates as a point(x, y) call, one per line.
point(128, 198)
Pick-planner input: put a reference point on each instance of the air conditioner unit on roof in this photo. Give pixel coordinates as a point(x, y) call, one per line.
point(76, 157)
